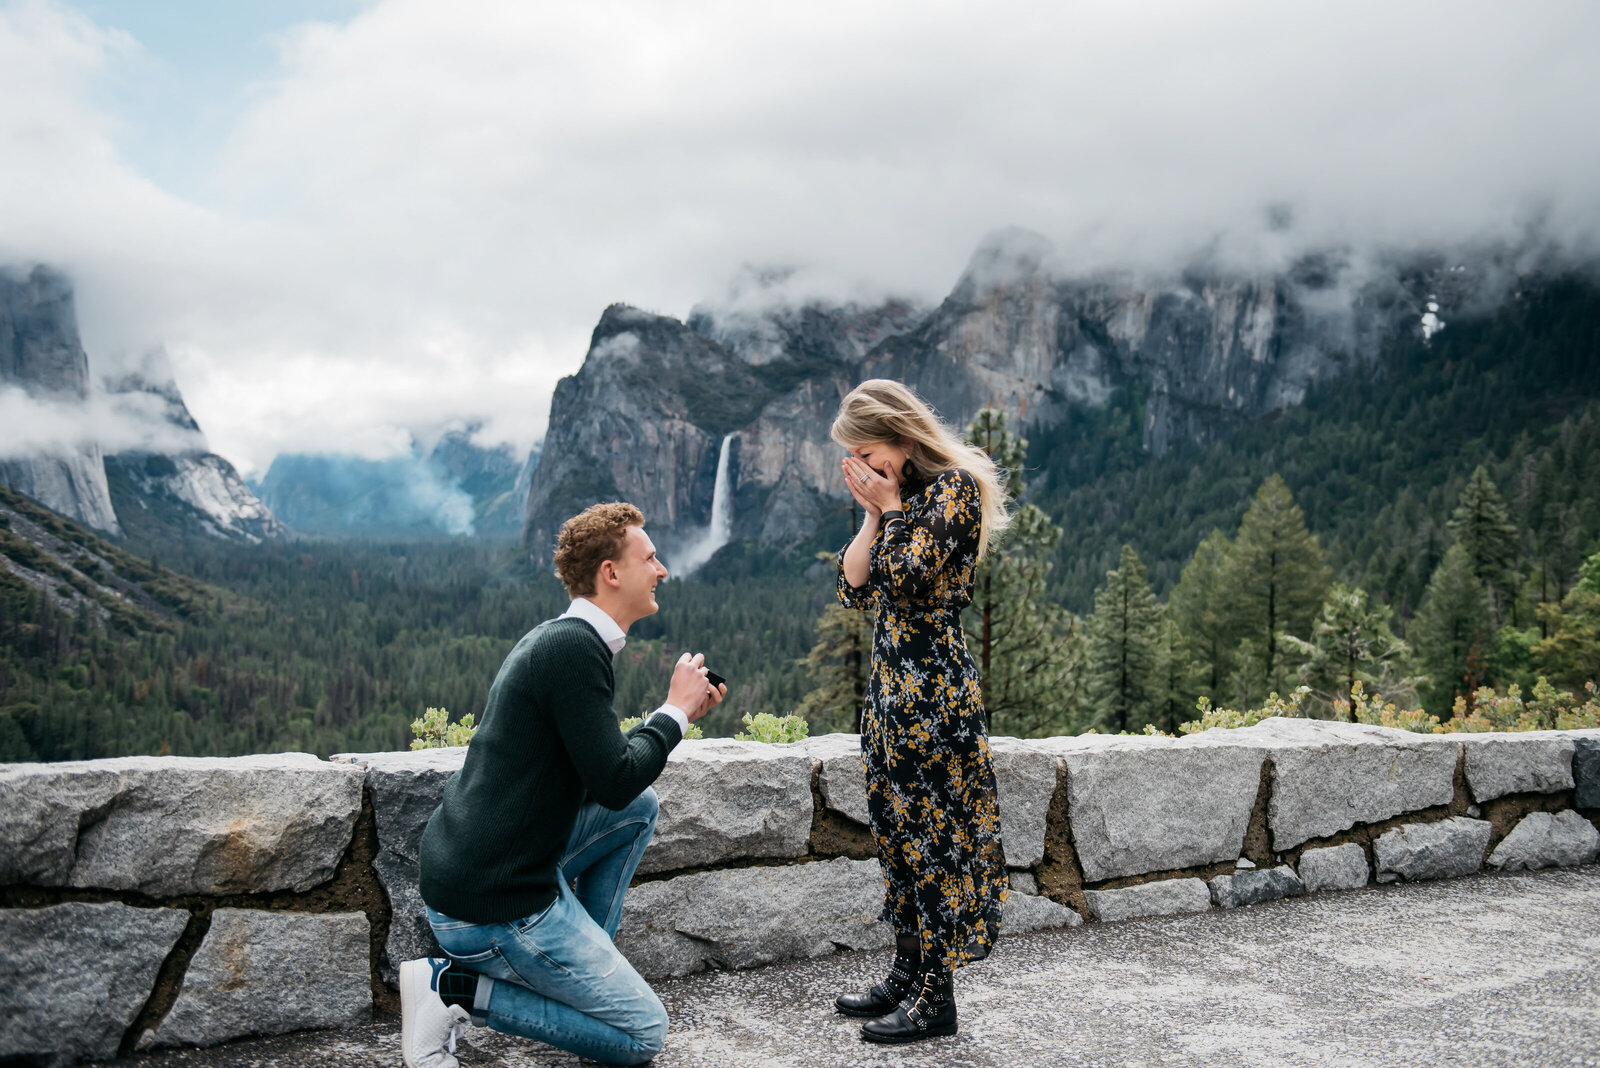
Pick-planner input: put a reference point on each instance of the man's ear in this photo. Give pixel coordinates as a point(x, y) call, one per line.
point(608, 573)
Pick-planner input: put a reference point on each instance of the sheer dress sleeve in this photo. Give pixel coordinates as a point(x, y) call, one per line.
point(913, 552)
point(857, 597)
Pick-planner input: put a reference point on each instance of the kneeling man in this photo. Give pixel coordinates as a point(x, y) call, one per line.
point(551, 794)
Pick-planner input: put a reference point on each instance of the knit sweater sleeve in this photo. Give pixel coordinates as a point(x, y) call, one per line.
point(613, 768)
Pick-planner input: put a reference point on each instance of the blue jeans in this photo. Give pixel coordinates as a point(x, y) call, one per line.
point(556, 976)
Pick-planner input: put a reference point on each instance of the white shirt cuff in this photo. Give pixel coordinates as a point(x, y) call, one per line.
point(679, 716)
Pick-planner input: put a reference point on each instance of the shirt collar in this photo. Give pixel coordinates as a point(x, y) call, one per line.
point(592, 614)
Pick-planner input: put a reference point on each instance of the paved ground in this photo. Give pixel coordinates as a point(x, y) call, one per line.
point(1491, 970)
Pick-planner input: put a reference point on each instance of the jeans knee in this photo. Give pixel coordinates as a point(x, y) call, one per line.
point(650, 1035)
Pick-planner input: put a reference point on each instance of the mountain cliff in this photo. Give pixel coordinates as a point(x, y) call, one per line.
point(164, 471)
point(189, 487)
point(41, 355)
point(1203, 350)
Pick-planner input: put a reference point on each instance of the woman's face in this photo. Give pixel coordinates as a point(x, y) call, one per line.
point(884, 456)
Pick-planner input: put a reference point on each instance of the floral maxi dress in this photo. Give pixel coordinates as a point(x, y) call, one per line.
point(924, 744)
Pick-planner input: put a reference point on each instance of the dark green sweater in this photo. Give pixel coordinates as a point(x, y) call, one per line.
point(548, 736)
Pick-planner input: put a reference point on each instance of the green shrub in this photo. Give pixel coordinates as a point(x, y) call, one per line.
point(765, 727)
point(435, 731)
point(1547, 709)
point(633, 721)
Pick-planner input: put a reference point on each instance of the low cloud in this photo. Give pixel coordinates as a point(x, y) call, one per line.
point(117, 422)
point(420, 216)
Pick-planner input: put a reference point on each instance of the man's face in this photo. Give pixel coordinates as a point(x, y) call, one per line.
point(638, 571)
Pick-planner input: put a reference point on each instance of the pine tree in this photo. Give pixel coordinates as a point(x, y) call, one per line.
point(838, 667)
point(1275, 578)
point(1021, 639)
point(1453, 632)
point(1483, 528)
point(1198, 607)
point(1351, 642)
point(1571, 654)
point(1124, 669)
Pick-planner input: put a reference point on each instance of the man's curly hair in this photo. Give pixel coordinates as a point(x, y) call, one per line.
point(590, 538)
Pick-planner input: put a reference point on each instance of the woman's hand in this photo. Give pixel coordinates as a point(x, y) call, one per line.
point(876, 492)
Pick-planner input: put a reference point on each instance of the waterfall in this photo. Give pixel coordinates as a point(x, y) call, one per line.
point(716, 535)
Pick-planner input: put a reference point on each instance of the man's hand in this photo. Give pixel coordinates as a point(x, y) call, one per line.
point(690, 690)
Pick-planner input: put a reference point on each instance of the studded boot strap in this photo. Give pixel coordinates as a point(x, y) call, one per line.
point(931, 996)
point(901, 978)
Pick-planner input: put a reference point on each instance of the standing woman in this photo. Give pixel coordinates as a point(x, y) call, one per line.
point(932, 504)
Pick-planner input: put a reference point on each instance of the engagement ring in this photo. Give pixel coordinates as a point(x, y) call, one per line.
point(862, 480)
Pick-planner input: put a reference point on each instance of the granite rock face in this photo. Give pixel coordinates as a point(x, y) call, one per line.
point(1157, 807)
point(1327, 776)
point(1254, 887)
point(1025, 778)
point(1342, 867)
point(266, 973)
point(1586, 771)
point(178, 825)
point(42, 355)
point(1165, 897)
point(1209, 348)
point(725, 800)
point(74, 976)
point(1540, 840)
point(406, 788)
point(840, 778)
point(1443, 850)
point(1024, 913)
point(1530, 762)
point(745, 917)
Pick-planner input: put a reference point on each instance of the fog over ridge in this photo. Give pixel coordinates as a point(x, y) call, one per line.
point(421, 214)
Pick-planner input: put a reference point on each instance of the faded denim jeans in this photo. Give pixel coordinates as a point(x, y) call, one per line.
point(556, 976)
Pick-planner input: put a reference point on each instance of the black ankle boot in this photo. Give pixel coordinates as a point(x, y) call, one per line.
point(929, 1011)
point(882, 997)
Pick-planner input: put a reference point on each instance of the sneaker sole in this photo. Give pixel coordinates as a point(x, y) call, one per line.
point(409, 976)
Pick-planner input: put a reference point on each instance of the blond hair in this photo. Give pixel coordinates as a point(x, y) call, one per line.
point(883, 411)
point(589, 539)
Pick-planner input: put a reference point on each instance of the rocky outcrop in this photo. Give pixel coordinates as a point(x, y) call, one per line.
point(1255, 887)
point(41, 355)
point(1542, 840)
point(745, 917)
point(724, 800)
point(74, 976)
point(1531, 762)
point(177, 825)
point(267, 973)
point(406, 788)
point(1203, 349)
point(1138, 807)
point(1327, 777)
point(1342, 867)
point(177, 476)
point(1444, 850)
point(1165, 897)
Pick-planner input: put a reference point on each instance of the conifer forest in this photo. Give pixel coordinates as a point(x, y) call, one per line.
point(1427, 530)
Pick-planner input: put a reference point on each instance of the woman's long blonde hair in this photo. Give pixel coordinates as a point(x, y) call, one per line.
point(883, 411)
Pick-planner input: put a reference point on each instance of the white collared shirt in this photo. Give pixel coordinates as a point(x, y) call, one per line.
point(614, 637)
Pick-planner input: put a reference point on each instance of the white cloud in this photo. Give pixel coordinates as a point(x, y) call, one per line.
point(119, 422)
point(422, 215)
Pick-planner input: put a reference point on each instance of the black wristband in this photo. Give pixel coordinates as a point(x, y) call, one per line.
point(894, 513)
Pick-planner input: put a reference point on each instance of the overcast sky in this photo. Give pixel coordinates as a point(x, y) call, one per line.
point(350, 221)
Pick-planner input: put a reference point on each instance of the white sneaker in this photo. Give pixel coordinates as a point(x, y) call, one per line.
point(428, 1027)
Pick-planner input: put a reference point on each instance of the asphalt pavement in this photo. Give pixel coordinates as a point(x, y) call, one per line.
point(1487, 970)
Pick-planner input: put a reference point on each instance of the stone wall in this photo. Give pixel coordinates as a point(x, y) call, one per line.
point(176, 901)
